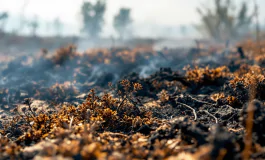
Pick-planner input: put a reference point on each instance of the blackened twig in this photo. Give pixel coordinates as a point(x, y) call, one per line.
point(121, 103)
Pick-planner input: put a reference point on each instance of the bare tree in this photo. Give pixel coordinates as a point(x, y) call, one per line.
point(22, 18)
point(57, 24)
point(223, 22)
point(183, 30)
point(34, 25)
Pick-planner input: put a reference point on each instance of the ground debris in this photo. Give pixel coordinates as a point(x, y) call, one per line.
point(125, 103)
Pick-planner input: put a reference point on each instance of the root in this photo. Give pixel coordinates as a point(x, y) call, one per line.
point(200, 101)
point(193, 110)
point(211, 115)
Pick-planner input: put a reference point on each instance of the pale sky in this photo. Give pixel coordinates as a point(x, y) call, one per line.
point(144, 12)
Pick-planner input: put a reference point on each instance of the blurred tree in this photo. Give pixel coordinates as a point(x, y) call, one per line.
point(34, 26)
point(121, 21)
point(23, 21)
point(223, 22)
point(3, 19)
point(48, 26)
point(183, 30)
point(58, 26)
point(92, 16)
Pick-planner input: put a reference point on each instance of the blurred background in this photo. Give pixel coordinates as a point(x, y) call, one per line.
point(104, 23)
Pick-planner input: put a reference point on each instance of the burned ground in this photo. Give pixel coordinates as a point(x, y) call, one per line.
point(123, 103)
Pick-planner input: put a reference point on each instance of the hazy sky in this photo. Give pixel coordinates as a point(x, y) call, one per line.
point(144, 12)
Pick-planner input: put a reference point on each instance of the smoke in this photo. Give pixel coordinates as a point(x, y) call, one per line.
point(74, 72)
point(151, 66)
point(35, 76)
